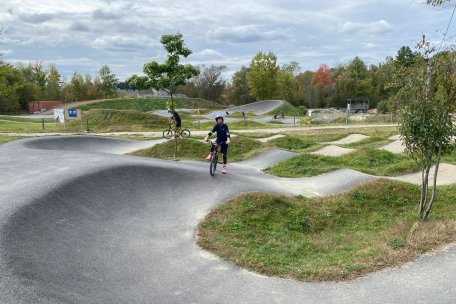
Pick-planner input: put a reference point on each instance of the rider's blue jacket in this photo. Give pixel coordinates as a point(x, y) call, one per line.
point(222, 132)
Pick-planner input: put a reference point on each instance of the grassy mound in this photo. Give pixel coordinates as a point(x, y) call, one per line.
point(238, 125)
point(150, 104)
point(291, 143)
point(124, 120)
point(5, 139)
point(288, 109)
point(365, 159)
point(186, 149)
point(24, 120)
point(328, 239)
point(239, 148)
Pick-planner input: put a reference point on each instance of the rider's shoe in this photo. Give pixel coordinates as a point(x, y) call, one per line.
point(224, 169)
point(209, 157)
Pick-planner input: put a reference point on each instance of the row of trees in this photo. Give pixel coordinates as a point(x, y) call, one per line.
point(325, 87)
point(23, 83)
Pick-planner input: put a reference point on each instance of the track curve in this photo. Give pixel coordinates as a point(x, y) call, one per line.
point(85, 227)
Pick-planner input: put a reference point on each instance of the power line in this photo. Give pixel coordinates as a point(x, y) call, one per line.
point(448, 27)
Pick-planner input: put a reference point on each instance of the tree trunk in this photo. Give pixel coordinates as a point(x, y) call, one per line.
point(425, 188)
point(434, 183)
point(437, 164)
point(172, 100)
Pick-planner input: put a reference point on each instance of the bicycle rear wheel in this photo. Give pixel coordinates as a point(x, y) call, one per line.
point(213, 164)
point(185, 133)
point(167, 134)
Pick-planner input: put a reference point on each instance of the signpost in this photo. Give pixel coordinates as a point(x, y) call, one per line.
point(59, 116)
point(74, 114)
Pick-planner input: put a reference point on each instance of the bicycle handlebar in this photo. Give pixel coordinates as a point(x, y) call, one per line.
point(214, 142)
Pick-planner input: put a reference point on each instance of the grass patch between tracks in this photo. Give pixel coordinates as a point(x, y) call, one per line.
point(150, 104)
point(240, 148)
point(5, 139)
point(366, 159)
point(328, 239)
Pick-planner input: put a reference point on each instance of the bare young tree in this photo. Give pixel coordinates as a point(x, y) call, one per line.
point(209, 83)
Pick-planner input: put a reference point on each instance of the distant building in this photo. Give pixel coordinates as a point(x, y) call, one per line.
point(43, 105)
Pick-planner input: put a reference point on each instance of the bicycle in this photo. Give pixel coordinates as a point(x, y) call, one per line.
point(214, 159)
point(169, 133)
point(173, 131)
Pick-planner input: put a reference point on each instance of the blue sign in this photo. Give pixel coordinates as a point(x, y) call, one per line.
point(72, 113)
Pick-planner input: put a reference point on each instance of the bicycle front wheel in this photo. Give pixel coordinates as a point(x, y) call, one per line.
point(213, 164)
point(185, 133)
point(167, 134)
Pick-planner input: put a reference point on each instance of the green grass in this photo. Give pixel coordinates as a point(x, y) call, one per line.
point(328, 239)
point(293, 143)
point(5, 139)
point(25, 120)
point(239, 148)
point(253, 135)
point(450, 157)
point(365, 159)
point(249, 125)
point(150, 104)
point(25, 127)
point(248, 115)
point(124, 120)
point(288, 110)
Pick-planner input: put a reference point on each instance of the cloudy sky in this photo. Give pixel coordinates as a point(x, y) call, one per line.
point(82, 35)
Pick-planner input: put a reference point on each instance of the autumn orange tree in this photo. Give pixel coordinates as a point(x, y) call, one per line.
point(324, 83)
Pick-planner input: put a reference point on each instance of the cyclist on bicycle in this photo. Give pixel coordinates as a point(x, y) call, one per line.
point(223, 139)
point(176, 118)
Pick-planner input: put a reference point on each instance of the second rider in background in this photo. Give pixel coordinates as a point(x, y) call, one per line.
point(175, 118)
point(223, 139)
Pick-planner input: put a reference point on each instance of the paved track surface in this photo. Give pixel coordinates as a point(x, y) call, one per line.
point(332, 150)
point(89, 226)
point(266, 159)
point(259, 108)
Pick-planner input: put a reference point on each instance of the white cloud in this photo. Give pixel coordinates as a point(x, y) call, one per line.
point(365, 29)
point(209, 53)
point(371, 45)
point(122, 43)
